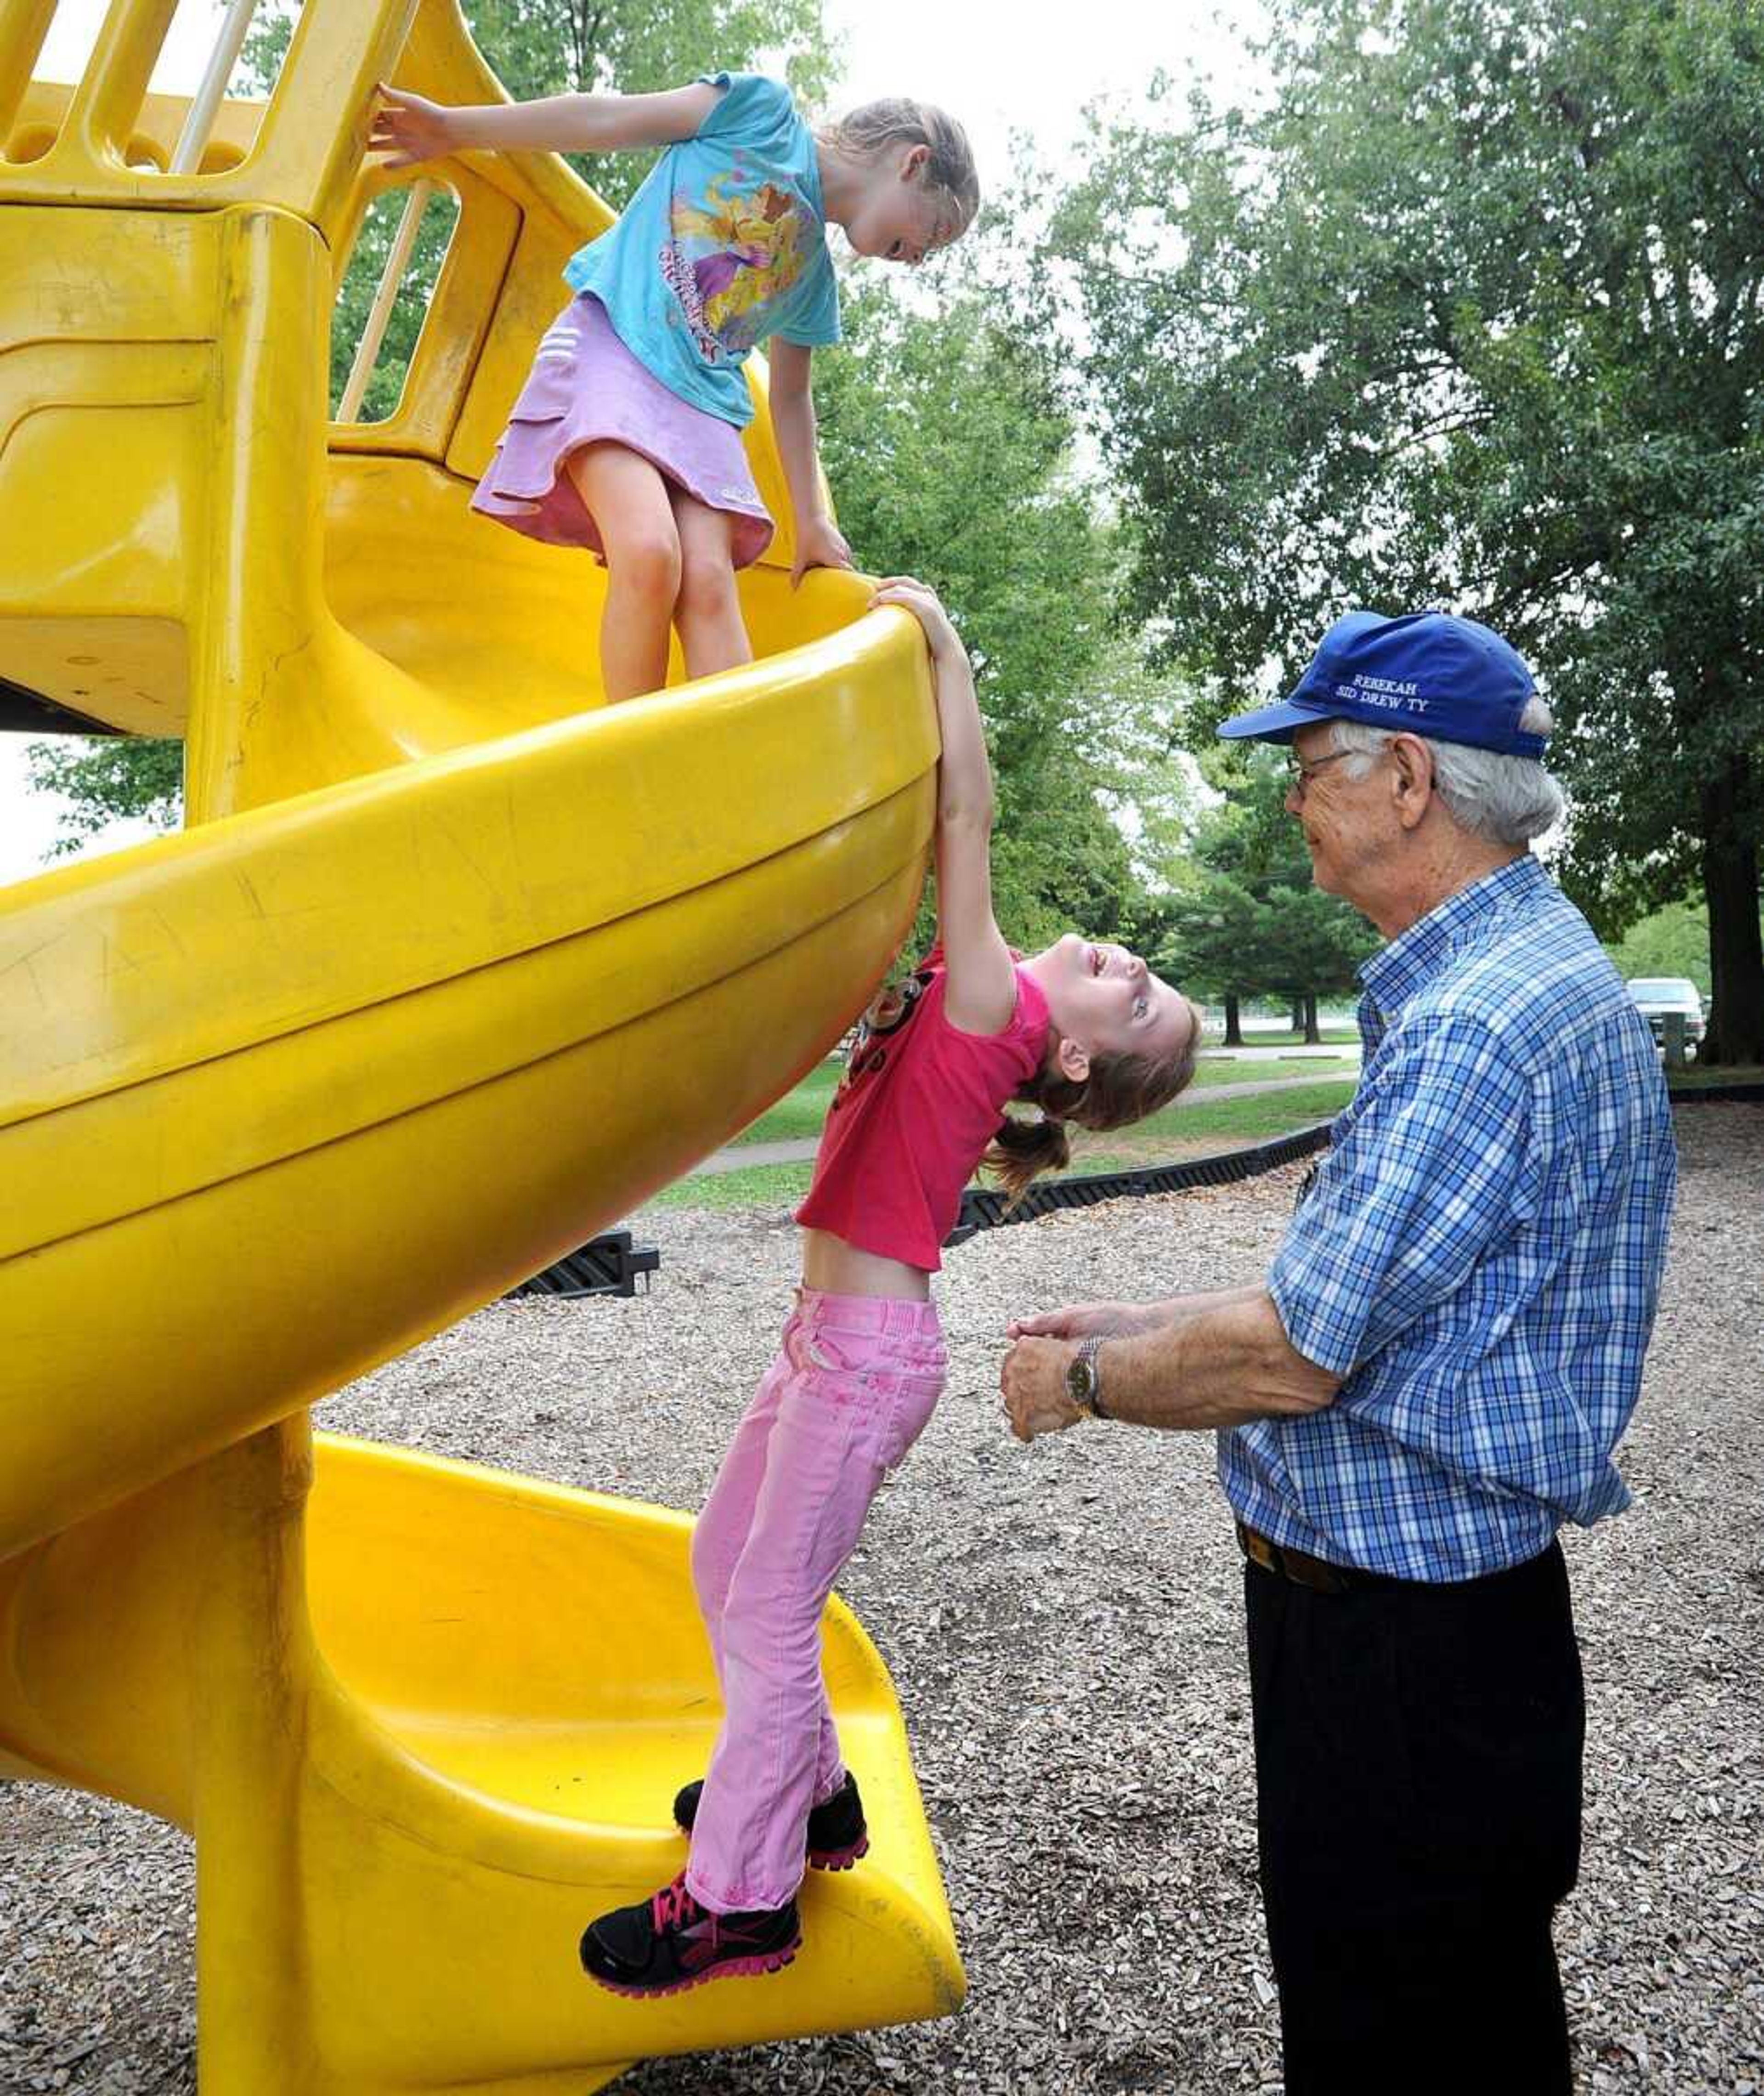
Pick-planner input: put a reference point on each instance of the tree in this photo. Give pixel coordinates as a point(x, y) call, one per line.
point(1212, 932)
point(1315, 947)
point(105, 778)
point(535, 47)
point(1247, 919)
point(1673, 941)
point(1473, 311)
point(951, 457)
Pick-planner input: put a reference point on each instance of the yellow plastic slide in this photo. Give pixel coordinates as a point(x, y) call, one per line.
point(454, 965)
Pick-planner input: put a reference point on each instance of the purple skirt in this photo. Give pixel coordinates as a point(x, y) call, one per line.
point(587, 388)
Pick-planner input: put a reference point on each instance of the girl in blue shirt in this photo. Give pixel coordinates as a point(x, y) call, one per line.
point(625, 439)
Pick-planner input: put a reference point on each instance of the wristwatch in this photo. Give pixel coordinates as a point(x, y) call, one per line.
point(1084, 1382)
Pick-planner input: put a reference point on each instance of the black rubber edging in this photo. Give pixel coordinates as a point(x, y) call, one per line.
point(1690, 1094)
point(984, 1208)
point(609, 1264)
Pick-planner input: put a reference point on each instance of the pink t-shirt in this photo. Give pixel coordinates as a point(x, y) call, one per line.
point(919, 1103)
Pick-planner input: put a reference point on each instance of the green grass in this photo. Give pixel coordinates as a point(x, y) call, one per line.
point(1176, 1130)
point(1166, 1137)
point(800, 1112)
point(1283, 1037)
point(1207, 1072)
point(756, 1186)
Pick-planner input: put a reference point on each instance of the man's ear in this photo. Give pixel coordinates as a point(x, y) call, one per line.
point(913, 163)
point(1412, 775)
point(1073, 1058)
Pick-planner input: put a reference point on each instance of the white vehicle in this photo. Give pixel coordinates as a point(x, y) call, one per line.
point(1656, 995)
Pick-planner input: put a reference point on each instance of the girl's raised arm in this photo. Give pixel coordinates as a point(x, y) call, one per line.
point(981, 991)
point(407, 127)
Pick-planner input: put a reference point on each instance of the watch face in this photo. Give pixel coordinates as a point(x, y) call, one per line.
point(1080, 1380)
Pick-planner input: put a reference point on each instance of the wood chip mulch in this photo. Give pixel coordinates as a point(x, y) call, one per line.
point(1063, 1624)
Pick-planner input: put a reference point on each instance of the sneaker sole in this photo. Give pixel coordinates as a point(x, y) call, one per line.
point(820, 1859)
point(839, 1859)
point(731, 1968)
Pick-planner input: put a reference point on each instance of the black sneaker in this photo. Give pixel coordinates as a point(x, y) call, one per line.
point(837, 1835)
point(665, 1944)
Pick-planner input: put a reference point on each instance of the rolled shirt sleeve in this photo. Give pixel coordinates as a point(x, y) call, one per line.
point(1430, 1168)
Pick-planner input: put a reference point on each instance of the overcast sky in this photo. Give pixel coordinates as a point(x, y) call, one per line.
point(1001, 66)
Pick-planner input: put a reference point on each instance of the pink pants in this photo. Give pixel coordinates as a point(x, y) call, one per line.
point(855, 1379)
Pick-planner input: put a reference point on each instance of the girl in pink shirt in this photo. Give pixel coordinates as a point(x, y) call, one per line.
point(1085, 1034)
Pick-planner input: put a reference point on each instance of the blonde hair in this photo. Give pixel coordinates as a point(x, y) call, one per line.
point(1118, 1090)
point(896, 120)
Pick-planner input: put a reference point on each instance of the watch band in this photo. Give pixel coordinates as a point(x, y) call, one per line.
point(1088, 1350)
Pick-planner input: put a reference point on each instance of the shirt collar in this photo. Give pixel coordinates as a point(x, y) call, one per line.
point(1395, 973)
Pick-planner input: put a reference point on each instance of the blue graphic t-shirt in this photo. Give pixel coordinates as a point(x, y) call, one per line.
point(724, 245)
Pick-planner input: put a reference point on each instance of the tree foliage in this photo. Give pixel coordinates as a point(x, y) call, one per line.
point(1473, 311)
point(1246, 919)
point(950, 455)
point(104, 777)
point(1673, 941)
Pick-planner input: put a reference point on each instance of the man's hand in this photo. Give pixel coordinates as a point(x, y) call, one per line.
point(1079, 1320)
point(1196, 1361)
point(819, 544)
point(1033, 1381)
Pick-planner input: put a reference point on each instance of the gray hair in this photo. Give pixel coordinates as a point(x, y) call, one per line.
point(896, 120)
point(1510, 799)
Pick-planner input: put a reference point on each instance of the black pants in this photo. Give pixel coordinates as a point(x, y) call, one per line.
point(1417, 1760)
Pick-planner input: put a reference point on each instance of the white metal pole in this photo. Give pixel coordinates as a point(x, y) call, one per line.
point(368, 349)
point(221, 59)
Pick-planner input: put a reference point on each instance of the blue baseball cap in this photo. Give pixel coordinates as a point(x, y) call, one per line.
point(1428, 672)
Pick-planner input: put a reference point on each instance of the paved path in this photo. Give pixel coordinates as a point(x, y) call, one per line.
point(802, 1148)
point(1343, 1052)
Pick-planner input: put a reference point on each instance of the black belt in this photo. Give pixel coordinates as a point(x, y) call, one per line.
point(1300, 1567)
point(1303, 1569)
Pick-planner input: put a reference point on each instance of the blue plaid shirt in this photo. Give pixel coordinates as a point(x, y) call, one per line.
point(1479, 1254)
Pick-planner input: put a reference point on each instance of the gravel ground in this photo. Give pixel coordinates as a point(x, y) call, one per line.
point(1063, 1622)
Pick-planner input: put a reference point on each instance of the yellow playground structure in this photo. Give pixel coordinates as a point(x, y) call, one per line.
point(452, 965)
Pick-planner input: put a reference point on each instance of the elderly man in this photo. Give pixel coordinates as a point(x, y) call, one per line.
point(1431, 1381)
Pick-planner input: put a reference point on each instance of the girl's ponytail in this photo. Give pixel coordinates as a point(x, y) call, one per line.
point(1023, 1147)
point(1119, 1090)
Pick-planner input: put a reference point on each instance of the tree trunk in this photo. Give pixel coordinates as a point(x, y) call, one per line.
point(1298, 1015)
point(1233, 1028)
point(1736, 1031)
point(1314, 1033)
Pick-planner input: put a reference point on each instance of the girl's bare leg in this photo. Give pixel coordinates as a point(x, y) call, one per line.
point(713, 633)
point(628, 500)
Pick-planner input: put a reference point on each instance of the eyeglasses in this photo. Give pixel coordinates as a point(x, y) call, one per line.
point(1300, 776)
